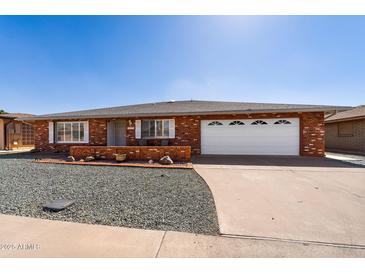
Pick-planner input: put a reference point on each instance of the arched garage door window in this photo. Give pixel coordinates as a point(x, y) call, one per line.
point(259, 122)
point(215, 123)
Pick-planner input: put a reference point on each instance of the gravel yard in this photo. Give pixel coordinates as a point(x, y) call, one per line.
point(164, 199)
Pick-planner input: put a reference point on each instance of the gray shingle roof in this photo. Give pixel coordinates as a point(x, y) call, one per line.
point(355, 113)
point(185, 108)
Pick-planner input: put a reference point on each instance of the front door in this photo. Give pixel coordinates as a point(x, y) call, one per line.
point(116, 133)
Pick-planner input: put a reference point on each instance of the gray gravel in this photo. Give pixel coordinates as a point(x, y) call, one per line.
point(163, 199)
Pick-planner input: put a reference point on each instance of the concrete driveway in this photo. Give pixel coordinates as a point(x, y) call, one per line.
point(295, 198)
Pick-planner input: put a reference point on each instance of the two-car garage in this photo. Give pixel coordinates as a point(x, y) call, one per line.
point(278, 136)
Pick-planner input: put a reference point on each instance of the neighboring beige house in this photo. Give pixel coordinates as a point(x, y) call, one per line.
point(15, 134)
point(345, 131)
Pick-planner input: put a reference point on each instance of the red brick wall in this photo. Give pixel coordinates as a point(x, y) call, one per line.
point(177, 153)
point(312, 129)
point(97, 135)
point(188, 131)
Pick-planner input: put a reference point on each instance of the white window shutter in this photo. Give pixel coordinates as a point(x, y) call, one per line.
point(86, 132)
point(171, 128)
point(138, 129)
point(50, 132)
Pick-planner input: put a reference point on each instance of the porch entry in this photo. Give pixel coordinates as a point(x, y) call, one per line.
point(116, 133)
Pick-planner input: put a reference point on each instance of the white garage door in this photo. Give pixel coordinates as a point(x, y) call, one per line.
point(250, 136)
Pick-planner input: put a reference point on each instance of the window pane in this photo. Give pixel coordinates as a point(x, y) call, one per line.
point(345, 129)
point(60, 132)
point(75, 132)
point(159, 128)
point(67, 132)
point(152, 128)
point(82, 134)
point(166, 128)
point(18, 128)
point(145, 128)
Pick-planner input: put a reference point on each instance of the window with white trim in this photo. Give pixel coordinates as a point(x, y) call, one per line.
point(152, 129)
point(70, 132)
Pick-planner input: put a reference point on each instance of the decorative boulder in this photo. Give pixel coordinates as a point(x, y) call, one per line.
point(99, 156)
point(166, 160)
point(150, 162)
point(82, 160)
point(89, 159)
point(70, 159)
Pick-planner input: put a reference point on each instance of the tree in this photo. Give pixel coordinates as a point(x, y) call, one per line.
point(2, 111)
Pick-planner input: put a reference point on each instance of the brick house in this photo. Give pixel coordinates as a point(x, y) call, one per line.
point(15, 134)
point(179, 128)
point(345, 131)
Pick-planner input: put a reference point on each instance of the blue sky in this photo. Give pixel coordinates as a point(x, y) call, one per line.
point(63, 63)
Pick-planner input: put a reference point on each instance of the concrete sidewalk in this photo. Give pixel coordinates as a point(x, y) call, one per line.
point(30, 237)
point(348, 158)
